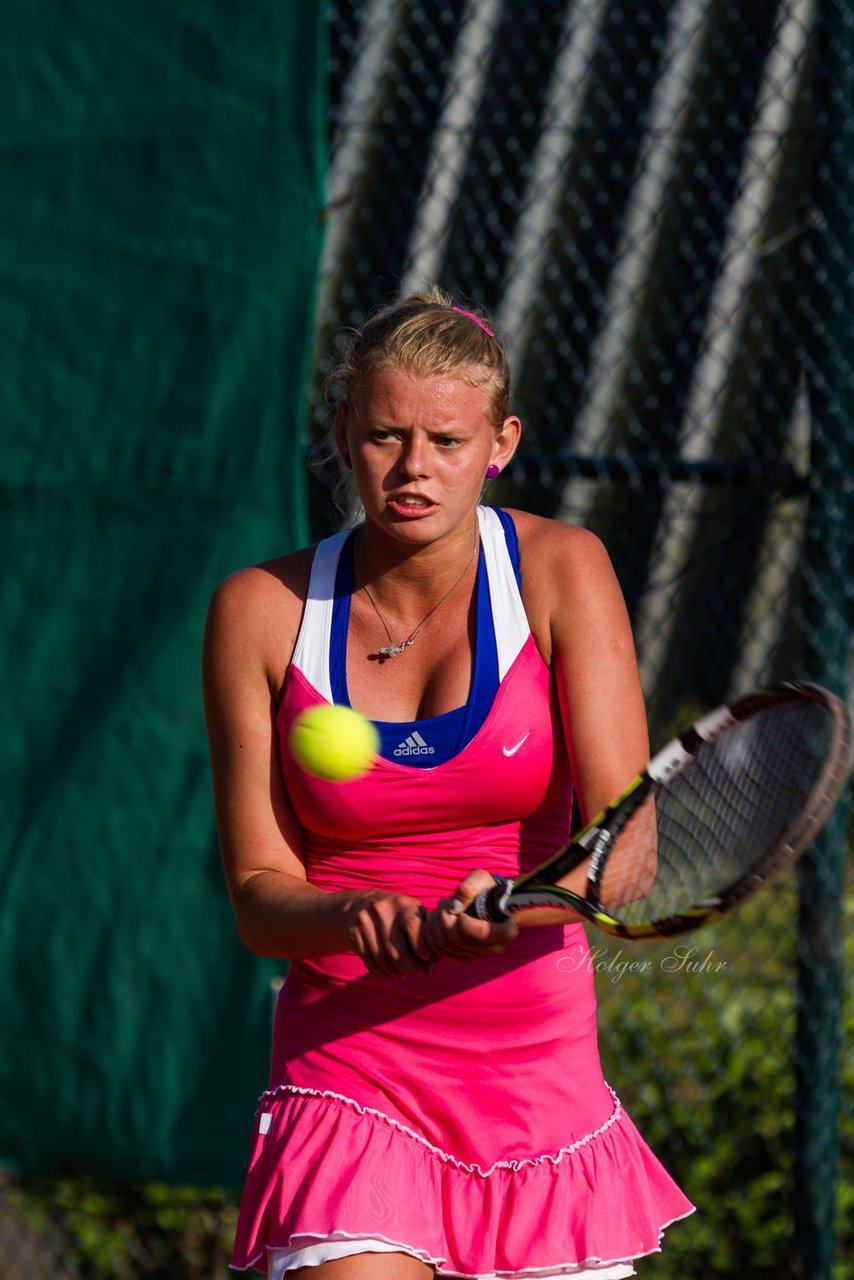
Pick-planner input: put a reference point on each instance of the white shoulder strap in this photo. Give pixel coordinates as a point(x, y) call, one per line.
point(508, 612)
point(311, 653)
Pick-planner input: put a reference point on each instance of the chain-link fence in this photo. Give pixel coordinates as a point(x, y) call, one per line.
point(654, 198)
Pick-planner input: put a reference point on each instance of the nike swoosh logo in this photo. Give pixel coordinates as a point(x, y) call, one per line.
point(511, 751)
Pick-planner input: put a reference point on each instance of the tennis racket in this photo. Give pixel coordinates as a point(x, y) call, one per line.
point(717, 813)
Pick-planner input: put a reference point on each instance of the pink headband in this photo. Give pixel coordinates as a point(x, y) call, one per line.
point(471, 316)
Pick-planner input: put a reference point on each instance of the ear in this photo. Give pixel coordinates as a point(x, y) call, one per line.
point(341, 412)
point(506, 441)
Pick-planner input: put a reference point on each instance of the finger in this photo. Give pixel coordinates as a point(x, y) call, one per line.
point(355, 941)
point(501, 934)
point(475, 882)
point(393, 955)
point(360, 949)
point(465, 934)
point(447, 940)
point(433, 932)
point(401, 949)
point(441, 927)
point(375, 954)
point(465, 955)
point(448, 932)
point(413, 928)
point(488, 930)
point(460, 949)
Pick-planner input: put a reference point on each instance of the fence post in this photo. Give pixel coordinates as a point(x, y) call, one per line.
point(828, 626)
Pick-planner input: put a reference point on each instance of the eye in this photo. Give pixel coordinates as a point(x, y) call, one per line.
point(448, 442)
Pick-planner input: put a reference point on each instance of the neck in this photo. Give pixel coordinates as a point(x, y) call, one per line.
point(400, 640)
point(392, 570)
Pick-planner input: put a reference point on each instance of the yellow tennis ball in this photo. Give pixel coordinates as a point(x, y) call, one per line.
point(334, 743)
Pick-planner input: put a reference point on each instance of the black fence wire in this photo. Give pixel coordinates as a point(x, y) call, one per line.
point(655, 199)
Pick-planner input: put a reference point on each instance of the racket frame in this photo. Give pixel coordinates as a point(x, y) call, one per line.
point(537, 888)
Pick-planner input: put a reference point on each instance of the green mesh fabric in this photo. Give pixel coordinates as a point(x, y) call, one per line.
point(161, 172)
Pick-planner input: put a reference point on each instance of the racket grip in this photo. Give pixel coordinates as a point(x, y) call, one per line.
point(488, 905)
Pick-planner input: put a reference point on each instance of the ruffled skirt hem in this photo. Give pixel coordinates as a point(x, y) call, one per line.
point(311, 1252)
point(323, 1167)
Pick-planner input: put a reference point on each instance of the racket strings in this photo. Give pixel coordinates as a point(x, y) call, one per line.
point(722, 817)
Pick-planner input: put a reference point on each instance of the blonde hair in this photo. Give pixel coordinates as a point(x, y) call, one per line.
point(428, 335)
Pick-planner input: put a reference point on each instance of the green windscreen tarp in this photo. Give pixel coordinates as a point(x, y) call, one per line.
point(161, 174)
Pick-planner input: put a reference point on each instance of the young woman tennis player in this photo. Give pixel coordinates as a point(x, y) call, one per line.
point(426, 1116)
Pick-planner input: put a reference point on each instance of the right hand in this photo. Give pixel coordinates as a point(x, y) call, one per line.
point(386, 930)
point(448, 931)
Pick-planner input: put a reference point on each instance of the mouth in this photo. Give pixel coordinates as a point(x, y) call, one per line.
point(411, 505)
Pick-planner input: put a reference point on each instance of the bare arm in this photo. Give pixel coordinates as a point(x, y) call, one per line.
point(601, 700)
point(581, 626)
point(596, 672)
point(249, 636)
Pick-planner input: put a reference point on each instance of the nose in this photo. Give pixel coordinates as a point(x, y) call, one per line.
point(412, 462)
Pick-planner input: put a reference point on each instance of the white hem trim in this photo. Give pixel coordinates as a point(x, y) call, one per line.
point(313, 1251)
point(296, 1091)
point(556, 1272)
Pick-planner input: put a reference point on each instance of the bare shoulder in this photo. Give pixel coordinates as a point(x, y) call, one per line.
point(254, 614)
point(568, 581)
point(556, 556)
point(559, 542)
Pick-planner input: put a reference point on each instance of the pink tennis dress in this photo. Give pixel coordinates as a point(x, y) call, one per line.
point(459, 1116)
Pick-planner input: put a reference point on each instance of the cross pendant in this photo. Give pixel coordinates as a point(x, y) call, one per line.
point(391, 650)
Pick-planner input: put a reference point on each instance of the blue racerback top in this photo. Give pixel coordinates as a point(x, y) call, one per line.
point(435, 739)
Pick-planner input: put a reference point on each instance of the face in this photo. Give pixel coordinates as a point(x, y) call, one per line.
point(419, 449)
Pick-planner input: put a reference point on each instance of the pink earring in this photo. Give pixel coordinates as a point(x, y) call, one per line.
point(492, 471)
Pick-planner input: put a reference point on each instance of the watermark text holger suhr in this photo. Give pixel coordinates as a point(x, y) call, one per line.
point(615, 965)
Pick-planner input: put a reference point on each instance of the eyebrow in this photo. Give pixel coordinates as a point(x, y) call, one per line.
point(388, 425)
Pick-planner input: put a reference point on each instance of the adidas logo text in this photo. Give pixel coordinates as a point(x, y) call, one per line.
point(414, 745)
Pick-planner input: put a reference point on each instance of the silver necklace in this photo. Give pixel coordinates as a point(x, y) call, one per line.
point(393, 648)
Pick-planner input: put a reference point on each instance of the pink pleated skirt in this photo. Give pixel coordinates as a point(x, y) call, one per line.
point(458, 1116)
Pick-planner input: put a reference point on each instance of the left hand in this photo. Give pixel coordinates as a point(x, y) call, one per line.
point(448, 931)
